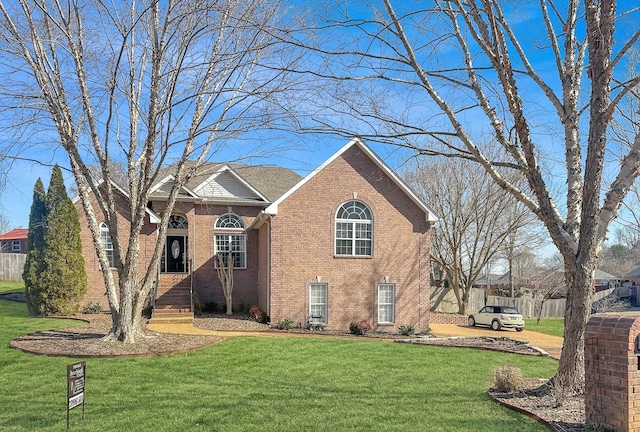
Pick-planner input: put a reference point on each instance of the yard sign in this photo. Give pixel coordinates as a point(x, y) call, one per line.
point(75, 387)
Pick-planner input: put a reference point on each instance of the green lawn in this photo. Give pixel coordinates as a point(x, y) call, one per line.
point(550, 326)
point(262, 384)
point(9, 287)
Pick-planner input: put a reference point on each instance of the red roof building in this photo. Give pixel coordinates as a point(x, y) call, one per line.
point(14, 241)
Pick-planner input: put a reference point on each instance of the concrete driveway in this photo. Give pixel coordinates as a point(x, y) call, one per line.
point(551, 344)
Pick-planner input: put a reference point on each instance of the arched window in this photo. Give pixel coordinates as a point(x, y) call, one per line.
point(107, 244)
point(177, 222)
point(231, 238)
point(354, 229)
point(229, 221)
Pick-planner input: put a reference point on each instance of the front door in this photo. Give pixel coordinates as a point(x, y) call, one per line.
point(174, 254)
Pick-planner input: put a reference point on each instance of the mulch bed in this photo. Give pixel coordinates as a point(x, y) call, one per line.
point(536, 399)
point(502, 344)
point(87, 341)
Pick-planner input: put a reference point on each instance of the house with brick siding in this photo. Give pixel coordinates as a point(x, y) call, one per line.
point(348, 242)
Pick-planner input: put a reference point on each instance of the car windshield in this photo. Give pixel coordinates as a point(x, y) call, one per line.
point(509, 310)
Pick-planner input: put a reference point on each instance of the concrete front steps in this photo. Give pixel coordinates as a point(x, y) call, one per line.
point(173, 300)
point(172, 315)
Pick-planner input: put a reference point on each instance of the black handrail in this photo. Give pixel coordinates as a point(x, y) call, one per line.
point(191, 283)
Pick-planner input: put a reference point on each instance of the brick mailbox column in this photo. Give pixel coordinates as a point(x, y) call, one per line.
point(612, 375)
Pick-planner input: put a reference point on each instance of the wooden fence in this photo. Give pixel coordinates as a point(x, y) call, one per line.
point(11, 266)
point(444, 300)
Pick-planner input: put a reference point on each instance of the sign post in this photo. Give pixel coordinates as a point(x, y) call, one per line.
point(75, 387)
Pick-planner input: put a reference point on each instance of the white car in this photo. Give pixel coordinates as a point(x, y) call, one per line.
point(498, 317)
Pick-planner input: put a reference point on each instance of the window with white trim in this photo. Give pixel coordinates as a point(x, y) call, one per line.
point(105, 235)
point(386, 303)
point(354, 232)
point(318, 303)
point(230, 238)
point(15, 247)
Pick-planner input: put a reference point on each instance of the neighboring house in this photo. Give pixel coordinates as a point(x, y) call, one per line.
point(348, 242)
point(554, 282)
point(605, 280)
point(493, 281)
point(633, 276)
point(14, 241)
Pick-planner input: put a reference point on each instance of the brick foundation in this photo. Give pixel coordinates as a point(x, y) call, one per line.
point(447, 318)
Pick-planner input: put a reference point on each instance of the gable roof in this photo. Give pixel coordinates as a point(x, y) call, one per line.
point(153, 216)
point(15, 234)
point(600, 274)
point(634, 272)
point(429, 215)
point(492, 279)
point(228, 182)
point(163, 188)
point(225, 183)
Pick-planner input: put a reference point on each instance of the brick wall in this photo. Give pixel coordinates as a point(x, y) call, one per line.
point(96, 292)
point(300, 245)
point(447, 318)
point(201, 219)
point(612, 393)
point(201, 238)
point(302, 248)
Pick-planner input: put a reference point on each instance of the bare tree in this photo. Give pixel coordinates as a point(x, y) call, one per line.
point(618, 259)
point(547, 285)
point(142, 84)
point(433, 77)
point(477, 219)
point(524, 265)
point(224, 267)
point(629, 235)
point(518, 251)
point(5, 224)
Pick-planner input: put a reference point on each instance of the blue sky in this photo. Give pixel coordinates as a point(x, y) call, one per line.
point(18, 193)
point(303, 156)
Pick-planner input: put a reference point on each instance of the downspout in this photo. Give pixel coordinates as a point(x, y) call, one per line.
point(268, 267)
point(262, 219)
point(153, 219)
point(192, 252)
point(191, 283)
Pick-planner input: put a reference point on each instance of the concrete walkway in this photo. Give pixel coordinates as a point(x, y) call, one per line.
point(550, 344)
point(188, 329)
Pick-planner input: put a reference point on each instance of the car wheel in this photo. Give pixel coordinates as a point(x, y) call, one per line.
point(519, 329)
point(472, 322)
point(495, 324)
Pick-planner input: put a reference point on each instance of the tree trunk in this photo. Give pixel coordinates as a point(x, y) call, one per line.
point(580, 283)
point(127, 324)
point(462, 297)
point(512, 291)
point(225, 274)
point(229, 306)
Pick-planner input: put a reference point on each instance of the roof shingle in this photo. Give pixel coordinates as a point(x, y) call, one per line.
point(15, 234)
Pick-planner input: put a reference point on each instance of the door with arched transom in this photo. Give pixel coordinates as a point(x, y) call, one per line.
point(175, 257)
